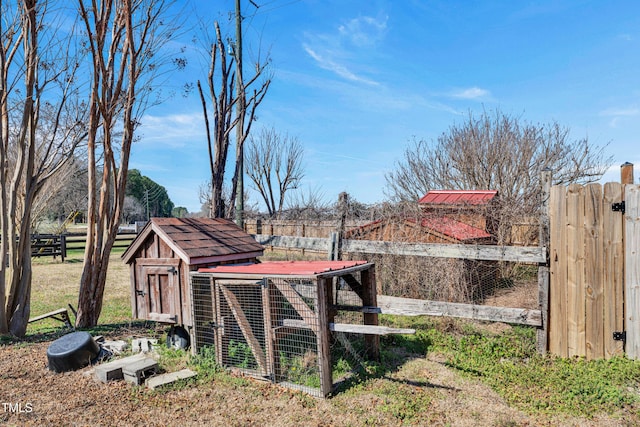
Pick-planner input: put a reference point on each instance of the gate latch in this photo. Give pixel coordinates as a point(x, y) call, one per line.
point(620, 336)
point(618, 207)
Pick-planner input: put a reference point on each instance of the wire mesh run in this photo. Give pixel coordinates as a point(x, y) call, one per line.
point(295, 326)
point(279, 328)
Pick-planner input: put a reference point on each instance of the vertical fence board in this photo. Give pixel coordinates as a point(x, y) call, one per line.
point(613, 270)
point(575, 274)
point(558, 270)
point(632, 270)
point(594, 306)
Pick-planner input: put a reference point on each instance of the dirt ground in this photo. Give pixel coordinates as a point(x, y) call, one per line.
point(31, 395)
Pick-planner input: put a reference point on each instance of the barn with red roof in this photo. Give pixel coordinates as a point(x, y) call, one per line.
point(446, 216)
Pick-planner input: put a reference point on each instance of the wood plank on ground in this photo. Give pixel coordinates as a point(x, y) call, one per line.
point(168, 378)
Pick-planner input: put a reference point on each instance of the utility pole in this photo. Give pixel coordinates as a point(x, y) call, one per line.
point(240, 109)
point(146, 198)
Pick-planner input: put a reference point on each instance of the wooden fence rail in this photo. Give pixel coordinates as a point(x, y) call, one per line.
point(437, 250)
point(54, 245)
point(415, 307)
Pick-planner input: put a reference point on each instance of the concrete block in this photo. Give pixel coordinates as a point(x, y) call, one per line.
point(168, 378)
point(136, 372)
point(113, 370)
point(144, 345)
point(115, 347)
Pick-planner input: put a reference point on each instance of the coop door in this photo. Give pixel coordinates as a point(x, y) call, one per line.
point(158, 293)
point(242, 317)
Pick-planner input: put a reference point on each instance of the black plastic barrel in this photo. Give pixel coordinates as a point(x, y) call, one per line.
point(72, 351)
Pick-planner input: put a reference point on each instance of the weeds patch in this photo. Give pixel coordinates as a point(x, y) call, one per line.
point(534, 383)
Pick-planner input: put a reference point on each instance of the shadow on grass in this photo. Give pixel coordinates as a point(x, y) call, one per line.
point(395, 352)
point(108, 330)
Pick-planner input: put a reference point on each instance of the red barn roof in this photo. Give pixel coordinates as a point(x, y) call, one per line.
point(458, 197)
point(452, 228)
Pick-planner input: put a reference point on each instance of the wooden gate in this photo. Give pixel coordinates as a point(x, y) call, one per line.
point(594, 265)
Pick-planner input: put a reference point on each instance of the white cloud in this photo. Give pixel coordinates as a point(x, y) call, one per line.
point(470, 93)
point(172, 130)
point(348, 48)
point(341, 70)
point(617, 112)
point(364, 31)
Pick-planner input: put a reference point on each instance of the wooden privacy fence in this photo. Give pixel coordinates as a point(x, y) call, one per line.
point(594, 295)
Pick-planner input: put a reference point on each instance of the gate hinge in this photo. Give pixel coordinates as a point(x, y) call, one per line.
point(620, 336)
point(618, 207)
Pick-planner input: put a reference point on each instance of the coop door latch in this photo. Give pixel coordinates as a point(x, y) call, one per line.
point(216, 325)
point(620, 336)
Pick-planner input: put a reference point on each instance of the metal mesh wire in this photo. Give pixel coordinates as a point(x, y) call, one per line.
point(270, 328)
point(202, 310)
point(295, 323)
point(494, 283)
point(242, 322)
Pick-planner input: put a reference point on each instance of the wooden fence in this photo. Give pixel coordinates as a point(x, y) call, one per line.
point(54, 245)
point(594, 295)
point(414, 307)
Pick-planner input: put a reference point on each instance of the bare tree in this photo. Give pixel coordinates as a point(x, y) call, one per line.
point(232, 100)
point(124, 38)
point(274, 164)
point(40, 129)
point(497, 151)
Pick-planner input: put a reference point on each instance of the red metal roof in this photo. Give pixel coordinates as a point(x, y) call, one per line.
point(458, 197)
point(287, 268)
point(452, 228)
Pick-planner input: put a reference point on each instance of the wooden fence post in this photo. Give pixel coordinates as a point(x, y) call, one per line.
point(632, 270)
point(343, 205)
point(543, 268)
point(333, 247)
point(626, 173)
point(63, 247)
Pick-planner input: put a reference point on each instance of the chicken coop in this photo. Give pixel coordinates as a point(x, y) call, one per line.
point(302, 324)
point(164, 253)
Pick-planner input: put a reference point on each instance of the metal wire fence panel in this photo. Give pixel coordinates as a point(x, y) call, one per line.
point(271, 328)
point(494, 283)
point(203, 314)
point(295, 322)
point(242, 337)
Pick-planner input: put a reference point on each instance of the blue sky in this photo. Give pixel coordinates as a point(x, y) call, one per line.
point(355, 81)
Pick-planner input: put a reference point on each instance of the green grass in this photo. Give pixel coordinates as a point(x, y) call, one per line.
point(509, 363)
